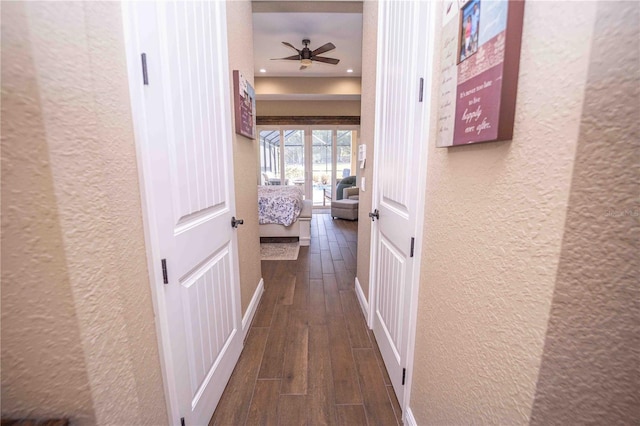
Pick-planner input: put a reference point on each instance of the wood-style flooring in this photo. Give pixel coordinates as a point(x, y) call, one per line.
point(309, 358)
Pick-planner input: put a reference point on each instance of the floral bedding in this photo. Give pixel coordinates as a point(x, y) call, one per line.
point(279, 204)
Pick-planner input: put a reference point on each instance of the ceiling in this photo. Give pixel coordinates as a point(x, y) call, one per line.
point(270, 29)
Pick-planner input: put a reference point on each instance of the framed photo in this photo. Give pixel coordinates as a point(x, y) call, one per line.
point(244, 101)
point(469, 29)
point(479, 63)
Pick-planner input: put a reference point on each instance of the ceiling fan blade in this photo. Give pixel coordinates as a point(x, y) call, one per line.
point(291, 46)
point(326, 60)
point(322, 49)
point(292, 58)
point(303, 67)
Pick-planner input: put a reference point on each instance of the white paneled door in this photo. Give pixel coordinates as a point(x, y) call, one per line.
point(179, 81)
point(399, 150)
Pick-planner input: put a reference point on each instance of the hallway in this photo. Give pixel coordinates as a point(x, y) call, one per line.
point(309, 357)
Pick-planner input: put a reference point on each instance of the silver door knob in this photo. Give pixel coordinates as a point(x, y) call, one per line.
point(375, 215)
point(235, 222)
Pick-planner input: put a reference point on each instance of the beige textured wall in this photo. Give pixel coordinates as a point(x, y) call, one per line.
point(245, 155)
point(589, 372)
point(367, 127)
point(306, 108)
point(78, 334)
point(494, 222)
point(306, 85)
point(38, 314)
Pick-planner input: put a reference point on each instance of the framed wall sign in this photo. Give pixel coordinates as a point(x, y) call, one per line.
point(480, 59)
point(244, 101)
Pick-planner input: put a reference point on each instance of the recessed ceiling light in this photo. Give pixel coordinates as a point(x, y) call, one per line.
point(349, 70)
point(263, 70)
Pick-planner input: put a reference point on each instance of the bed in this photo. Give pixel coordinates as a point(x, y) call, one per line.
point(283, 212)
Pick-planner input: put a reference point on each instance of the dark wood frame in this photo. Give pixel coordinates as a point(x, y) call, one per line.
point(505, 101)
point(308, 120)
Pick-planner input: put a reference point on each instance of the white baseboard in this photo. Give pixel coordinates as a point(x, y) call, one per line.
point(364, 305)
point(251, 309)
point(409, 420)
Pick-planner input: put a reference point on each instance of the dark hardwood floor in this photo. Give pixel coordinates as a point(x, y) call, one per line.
point(309, 358)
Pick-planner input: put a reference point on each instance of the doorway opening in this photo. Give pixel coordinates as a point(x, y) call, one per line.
point(321, 160)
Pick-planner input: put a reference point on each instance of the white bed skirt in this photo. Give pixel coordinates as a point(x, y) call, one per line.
point(301, 228)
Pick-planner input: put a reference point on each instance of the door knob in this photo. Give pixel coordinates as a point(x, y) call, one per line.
point(235, 222)
point(375, 215)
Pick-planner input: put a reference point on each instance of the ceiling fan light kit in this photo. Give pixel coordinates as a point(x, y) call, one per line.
point(306, 56)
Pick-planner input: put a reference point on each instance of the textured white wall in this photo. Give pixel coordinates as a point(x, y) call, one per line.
point(42, 356)
point(245, 155)
point(306, 85)
point(306, 108)
point(590, 372)
point(494, 222)
point(92, 260)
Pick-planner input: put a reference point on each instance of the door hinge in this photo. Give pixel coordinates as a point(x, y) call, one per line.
point(404, 375)
point(181, 421)
point(421, 89)
point(145, 76)
point(165, 276)
point(413, 243)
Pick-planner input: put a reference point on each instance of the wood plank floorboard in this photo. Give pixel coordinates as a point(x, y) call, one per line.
point(348, 258)
point(292, 410)
point(309, 358)
point(321, 401)
point(342, 242)
point(345, 379)
point(315, 267)
point(265, 396)
point(351, 415)
point(376, 400)
point(317, 310)
point(334, 248)
point(288, 288)
point(376, 351)
point(301, 292)
point(346, 280)
point(324, 243)
point(234, 403)
point(272, 360)
point(332, 303)
point(394, 403)
point(303, 259)
point(327, 262)
point(355, 321)
point(296, 355)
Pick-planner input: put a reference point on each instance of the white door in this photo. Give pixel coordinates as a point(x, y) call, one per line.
point(399, 144)
point(181, 107)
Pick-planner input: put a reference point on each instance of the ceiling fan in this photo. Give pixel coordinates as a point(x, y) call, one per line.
point(306, 56)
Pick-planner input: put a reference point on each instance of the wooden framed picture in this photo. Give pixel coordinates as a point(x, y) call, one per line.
point(480, 60)
point(244, 101)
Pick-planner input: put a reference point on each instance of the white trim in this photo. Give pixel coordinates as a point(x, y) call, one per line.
point(430, 35)
point(426, 69)
point(363, 302)
point(252, 308)
point(152, 245)
point(409, 420)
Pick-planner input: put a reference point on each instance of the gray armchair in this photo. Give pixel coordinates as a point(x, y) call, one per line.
point(347, 182)
point(352, 193)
